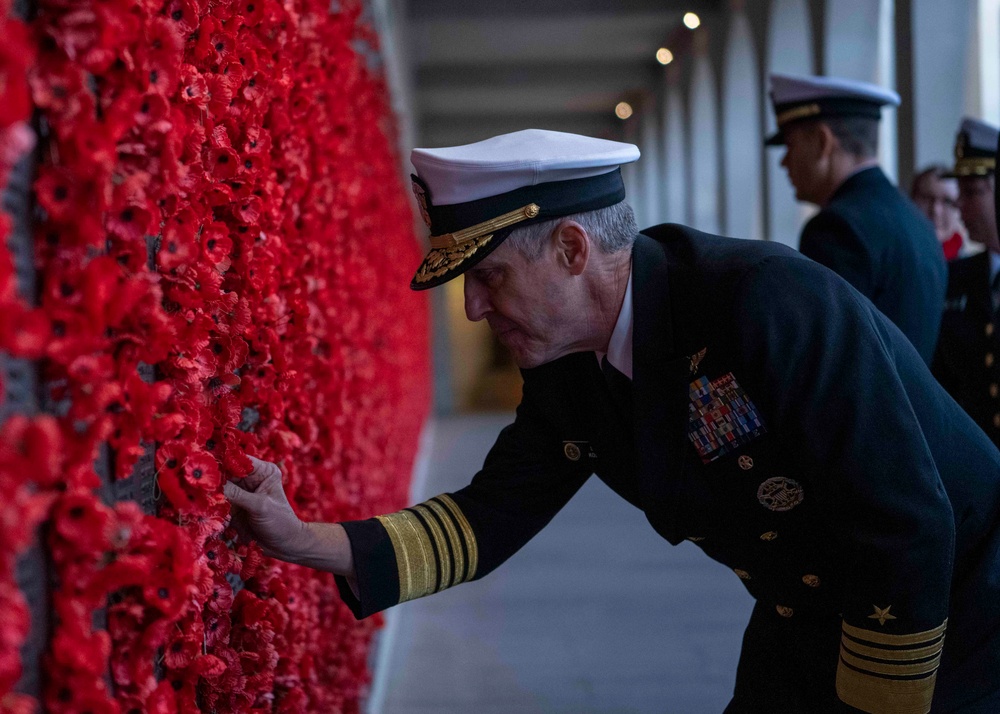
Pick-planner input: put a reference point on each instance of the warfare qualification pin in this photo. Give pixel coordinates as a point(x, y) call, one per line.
point(780, 494)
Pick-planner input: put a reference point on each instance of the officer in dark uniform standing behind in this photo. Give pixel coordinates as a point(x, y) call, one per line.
point(968, 352)
point(866, 230)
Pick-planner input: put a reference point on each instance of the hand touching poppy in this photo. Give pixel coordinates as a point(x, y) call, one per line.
point(261, 511)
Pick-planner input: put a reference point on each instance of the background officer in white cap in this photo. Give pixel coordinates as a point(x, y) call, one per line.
point(967, 362)
point(743, 397)
point(866, 230)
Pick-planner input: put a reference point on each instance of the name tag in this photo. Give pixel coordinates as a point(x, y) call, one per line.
point(721, 417)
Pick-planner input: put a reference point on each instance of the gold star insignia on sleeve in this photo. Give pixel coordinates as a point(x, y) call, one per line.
point(881, 614)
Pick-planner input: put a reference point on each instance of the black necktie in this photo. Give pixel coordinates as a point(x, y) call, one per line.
point(620, 387)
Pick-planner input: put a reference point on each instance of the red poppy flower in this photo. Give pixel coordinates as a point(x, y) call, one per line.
point(58, 192)
point(170, 457)
point(193, 87)
point(178, 245)
point(202, 471)
point(220, 94)
point(184, 646)
point(217, 246)
point(218, 627)
point(185, 13)
point(81, 523)
point(81, 653)
point(70, 693)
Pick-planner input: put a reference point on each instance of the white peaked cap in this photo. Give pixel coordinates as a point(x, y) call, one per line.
point(458, 174)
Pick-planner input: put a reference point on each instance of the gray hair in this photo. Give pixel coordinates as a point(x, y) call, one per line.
point(613, 228)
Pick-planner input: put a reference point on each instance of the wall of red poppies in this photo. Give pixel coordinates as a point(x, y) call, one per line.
point(220, 264)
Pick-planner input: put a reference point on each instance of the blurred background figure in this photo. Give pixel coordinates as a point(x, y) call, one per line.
point(866, 231)
point(966, 359)
point(937, 197)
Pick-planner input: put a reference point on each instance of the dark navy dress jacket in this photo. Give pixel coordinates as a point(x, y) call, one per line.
point(876, 239)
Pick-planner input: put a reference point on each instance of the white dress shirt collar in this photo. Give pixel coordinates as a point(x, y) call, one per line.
point(620, 345)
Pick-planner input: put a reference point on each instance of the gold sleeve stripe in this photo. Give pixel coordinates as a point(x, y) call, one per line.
point(899, 655)
point(883, 673)
point(435, 547)
point(883, 638)
point(893, 670)
point(885, 696)
point(455, 545)
point(414, 554)
point(468, 534)
point(441, 544)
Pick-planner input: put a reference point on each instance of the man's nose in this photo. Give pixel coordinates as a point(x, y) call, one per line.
point(476, 303)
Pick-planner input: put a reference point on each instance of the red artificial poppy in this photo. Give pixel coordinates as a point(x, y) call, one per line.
point(193, 87)
point(71, 693)
point(185, 645)
point(218, 626)
point(84, 653)
point(201, 471)
point(58, 193)
point(185, 13)
point(217, 246)
point(170, 457)
point(178, 244)
point(81, 523)
point(220, 94)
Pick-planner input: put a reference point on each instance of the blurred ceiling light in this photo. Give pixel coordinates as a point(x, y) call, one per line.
point(692, 21)
point(623, 110)
point(664, 56)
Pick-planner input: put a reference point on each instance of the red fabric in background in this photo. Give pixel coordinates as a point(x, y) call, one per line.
point(253, 141)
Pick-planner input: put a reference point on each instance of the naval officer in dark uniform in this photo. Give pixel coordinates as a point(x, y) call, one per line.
point(866, 231)
point(741, 396)
point(967, 362)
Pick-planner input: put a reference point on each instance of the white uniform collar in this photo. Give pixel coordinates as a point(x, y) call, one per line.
point(620, 345)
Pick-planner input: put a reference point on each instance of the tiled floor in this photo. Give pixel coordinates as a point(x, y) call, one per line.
point(596, 614)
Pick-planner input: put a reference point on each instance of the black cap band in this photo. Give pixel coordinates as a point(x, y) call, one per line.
point(819, 109)
point(555, 199)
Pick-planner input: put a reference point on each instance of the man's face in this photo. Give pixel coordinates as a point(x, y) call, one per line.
point(804, 161)
point(975, 201)
point(937, 198)
point(527, 303)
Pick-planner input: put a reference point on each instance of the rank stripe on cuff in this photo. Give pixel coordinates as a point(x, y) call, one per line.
point(435, 547)
point(887, 674)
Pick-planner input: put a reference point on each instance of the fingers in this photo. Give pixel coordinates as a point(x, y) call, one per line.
point(261, 471)
point(239, 497)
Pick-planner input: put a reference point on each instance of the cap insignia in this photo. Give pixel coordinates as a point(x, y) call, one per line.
point(421, 195)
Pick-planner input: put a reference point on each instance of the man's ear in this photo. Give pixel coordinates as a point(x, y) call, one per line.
point(571, 244)
point(826, 140)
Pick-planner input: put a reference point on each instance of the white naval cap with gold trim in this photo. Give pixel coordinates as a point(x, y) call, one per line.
point(800, 98)
point(472, 197)
point(975, 149)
